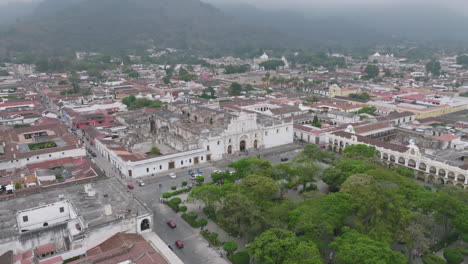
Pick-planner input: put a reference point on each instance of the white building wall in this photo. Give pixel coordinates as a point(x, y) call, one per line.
point(50, 214)
point(152, 166)
point(16, 163)
point(278, 135)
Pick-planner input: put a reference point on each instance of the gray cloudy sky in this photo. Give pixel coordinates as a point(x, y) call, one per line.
point(459, 5)
point(455, 4)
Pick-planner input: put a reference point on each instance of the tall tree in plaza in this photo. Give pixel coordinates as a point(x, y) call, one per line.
point(433, 66)
point(355, 248)
point(235, 89)
point(372, 71)
point(281, 246)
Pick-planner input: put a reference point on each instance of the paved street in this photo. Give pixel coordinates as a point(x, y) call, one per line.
point(196, 250)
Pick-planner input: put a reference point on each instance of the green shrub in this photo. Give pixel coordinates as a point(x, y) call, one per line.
point(210, 212)
point(192, 215)
point(183, 208)
point(174, 188)
point(176, 200)
point(292, 184)
point(463, 250)
point(170, 194)
point(184, 183)
point(190, 220)
point(433, 259)
point(230, 247)
point(73, 259)
point(241, 257)
point(173, 206)
point(181, 191)
point(211, 237)
point(453, 256)
point(202, 222)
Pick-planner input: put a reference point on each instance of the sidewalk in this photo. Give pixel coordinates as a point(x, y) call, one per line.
point(223, 236)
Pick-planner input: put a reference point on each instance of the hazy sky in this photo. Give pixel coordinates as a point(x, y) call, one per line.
point(461, 5)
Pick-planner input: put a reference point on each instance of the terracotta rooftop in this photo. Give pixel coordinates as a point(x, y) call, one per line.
point(372, 142)
point(44, 249)
point(446, 137)
point(372, 127)
point(122, 247)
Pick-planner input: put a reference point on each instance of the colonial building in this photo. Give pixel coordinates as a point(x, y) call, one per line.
point(190, 134)
point(68, 221)
point(425, 168)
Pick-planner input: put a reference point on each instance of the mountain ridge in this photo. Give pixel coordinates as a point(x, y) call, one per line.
point(184, 24)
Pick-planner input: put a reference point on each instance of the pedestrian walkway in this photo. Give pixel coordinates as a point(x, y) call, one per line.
point(223, 236)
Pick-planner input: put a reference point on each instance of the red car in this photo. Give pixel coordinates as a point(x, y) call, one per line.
point(179, 244)
point(130, 186)
point(171, 223)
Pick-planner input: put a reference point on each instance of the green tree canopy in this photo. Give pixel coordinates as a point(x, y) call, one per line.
point(367, 110)
point(355, 248)
point(372, 71)
point(230, 247)
point(433, 67)
point(235, 89)
point(272, 64)
point(281, 246)
point(360, 150)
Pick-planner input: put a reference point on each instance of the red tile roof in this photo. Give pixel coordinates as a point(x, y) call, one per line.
point(447, 137)
point(44, 249)
point(122, 247)
point(20, 102)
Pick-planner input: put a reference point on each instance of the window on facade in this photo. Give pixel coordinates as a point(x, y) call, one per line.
point(37, 157)
point(160, 167)
point(62, 209)
point(190, 161)
point(25, 218)
point(229, 140)
point(181, 162)
point(266, 133)
point(287, 129)
point(50, 155)
point(255, 134)
point(201, 157)
point(219, 142)
point(208, 147)
point(147, 169)
point(277, 131)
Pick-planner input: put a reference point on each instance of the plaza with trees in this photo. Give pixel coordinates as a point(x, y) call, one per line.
point(369, 214)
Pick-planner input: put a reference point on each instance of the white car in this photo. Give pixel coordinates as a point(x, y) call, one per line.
point(217, 171)
point(172, 175)
point(141, 183)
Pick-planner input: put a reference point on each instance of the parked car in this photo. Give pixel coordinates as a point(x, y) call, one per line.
point(284, 159)
point(130, 186)
point(172, 175)
point(179, 244)
point(190, 172)
point(217, 171)
point(171, 223)
point(194, 176)
point(200, 171)
point(141, 183)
